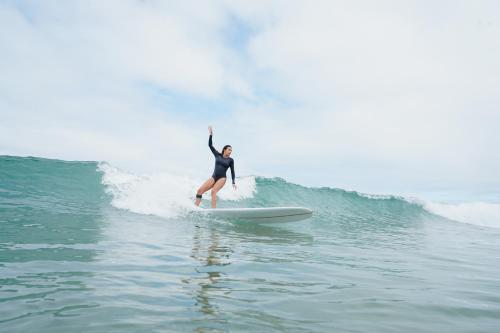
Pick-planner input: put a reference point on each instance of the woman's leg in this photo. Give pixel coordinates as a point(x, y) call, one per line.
point(207, 185)
point(217, 186)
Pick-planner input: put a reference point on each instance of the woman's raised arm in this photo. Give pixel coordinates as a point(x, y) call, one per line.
point(214, 151)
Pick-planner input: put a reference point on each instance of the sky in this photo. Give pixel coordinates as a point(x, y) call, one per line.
point(399, 97)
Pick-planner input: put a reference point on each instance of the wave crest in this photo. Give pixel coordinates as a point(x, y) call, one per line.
point(163, 194)
point(478, 213)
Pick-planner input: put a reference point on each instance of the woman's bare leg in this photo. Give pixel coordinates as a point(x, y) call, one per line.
point(207, 185)
point(217, 186)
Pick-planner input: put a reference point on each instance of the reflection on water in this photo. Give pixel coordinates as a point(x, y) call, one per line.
point(216, 246)
point(267, 233)
point(210, 254)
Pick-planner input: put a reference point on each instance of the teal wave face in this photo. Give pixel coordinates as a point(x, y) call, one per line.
point(62, 184)
point(52, 188)
point(335, 204)
point(44, 201)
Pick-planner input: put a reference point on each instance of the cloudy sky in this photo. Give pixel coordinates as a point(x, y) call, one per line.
point(380, 97)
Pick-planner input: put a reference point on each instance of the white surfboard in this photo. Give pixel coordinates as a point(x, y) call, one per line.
point(262, 215)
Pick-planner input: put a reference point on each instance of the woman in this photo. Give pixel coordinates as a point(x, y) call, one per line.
point(218, 179)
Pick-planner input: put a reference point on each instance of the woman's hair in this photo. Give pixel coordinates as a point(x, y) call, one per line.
point(225, 147)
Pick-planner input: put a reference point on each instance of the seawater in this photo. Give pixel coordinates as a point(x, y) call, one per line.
point(87, 247)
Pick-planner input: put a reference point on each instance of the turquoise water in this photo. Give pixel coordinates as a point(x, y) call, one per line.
point(76, 256)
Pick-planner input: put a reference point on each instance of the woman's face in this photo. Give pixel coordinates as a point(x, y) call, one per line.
point(228, 152)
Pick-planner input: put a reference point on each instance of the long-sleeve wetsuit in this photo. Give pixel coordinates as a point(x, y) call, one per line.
point(221, 163)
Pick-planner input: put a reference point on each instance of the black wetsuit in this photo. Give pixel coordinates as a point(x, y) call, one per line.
point(221, 163)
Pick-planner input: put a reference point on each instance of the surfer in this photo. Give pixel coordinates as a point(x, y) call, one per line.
point(218, 179)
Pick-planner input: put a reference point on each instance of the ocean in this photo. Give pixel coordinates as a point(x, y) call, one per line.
point(88, 247)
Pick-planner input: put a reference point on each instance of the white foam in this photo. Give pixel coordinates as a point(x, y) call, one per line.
point(484, 214)
point(377, 196)
point(478, 213)
point(246, 187)
point(163, 194)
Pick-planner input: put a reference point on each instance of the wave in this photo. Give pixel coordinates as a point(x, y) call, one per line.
point(170, 195)
point(64, 185)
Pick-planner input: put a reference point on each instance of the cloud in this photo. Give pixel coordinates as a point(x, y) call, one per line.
point(393, 91)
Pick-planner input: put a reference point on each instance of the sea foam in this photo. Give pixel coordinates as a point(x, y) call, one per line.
point(485, 214)
point(164, 194)
point(479, 213)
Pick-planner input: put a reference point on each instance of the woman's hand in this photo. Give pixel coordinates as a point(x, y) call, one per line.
point(210, 130)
